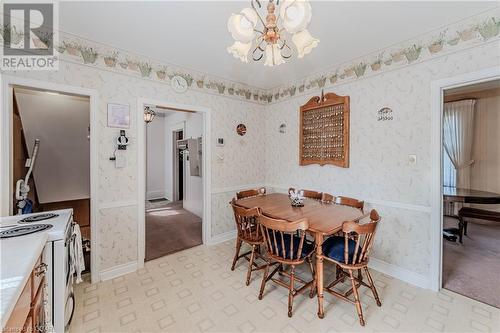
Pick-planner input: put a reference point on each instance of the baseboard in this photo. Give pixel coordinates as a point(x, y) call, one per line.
point(117, 271)
point(222, 237)
point(399, 273)
point(151, 195)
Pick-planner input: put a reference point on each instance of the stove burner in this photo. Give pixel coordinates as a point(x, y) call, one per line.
point(38, 218)
point(24, 230)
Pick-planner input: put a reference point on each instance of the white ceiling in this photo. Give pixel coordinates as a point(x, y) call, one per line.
point(193, 34)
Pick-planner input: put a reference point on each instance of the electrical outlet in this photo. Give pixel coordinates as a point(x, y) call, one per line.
point(412, 159)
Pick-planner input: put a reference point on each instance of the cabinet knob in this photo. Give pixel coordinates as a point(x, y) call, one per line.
point(40, 269)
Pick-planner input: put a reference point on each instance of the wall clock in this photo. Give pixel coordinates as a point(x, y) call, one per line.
point(179, 84)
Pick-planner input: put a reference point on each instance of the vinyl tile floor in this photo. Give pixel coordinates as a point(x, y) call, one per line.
point(195, 291)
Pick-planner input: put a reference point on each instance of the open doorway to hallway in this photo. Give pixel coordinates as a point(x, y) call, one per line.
point(174, 187)
point(471, 191)
point(58, 125)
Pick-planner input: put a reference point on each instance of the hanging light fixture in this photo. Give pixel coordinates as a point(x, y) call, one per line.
point(149, 114)
point(294, 16)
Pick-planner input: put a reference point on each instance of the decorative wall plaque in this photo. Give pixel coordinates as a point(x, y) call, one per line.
point(385, 114)
point(324, 131)
point(241, 129)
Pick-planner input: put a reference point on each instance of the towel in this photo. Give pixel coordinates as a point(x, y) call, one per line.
point(76, 254)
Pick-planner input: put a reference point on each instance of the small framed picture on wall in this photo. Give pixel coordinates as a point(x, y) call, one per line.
point(118, 115)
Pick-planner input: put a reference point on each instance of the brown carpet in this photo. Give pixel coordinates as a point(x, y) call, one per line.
point(170, 229)
point(472, 269)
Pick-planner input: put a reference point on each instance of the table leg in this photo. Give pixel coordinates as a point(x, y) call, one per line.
point(319, 273)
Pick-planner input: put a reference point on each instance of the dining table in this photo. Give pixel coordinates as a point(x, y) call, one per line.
point(324, 219)
point(453, 196)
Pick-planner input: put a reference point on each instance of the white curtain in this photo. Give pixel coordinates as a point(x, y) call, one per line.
point(458, 129)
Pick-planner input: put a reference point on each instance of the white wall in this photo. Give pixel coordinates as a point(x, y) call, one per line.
point(156, 186)
point(379, 171)
point(192, 124)
point(118, 187)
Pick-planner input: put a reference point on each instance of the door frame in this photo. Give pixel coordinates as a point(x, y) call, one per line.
point(437, 98)
point(6, 150)
point(175, 161)
point(141, 165)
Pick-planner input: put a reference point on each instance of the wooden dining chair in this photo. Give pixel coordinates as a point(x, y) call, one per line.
point(327, 198)
point(249, 233)
point(286, 244)
point(251, 193)
point(351, 253)
point(340, 200)
point(308, 193)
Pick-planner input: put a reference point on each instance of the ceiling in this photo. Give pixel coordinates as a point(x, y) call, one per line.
point(193, 34)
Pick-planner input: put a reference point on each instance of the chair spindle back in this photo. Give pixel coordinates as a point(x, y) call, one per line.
point(362, 235)
point(247, 222)
point(280, 237)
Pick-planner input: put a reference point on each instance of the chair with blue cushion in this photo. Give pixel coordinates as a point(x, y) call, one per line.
point(351, 253)
point(249, 233)
point(286, 244)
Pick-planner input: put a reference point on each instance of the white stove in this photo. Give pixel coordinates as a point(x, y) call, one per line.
point(58, 224)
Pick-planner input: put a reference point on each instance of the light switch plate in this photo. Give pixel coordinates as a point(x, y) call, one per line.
point(412, 159)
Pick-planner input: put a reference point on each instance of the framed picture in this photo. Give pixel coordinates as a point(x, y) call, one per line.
point(118, 115)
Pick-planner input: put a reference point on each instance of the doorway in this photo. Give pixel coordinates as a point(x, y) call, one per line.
point(471, 191)
point(58, 125)
point(174, 185)
point(178, 165)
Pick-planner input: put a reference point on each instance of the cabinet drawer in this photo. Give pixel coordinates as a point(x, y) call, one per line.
point(21, 311)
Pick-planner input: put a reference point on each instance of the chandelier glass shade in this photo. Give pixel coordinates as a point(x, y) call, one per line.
point(267, 38)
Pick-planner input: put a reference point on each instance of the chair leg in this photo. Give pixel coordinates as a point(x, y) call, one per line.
point(313, 285)
point(250, 265)
point(290, 290)
point(263, 283)
point(372, 286)
point(236, 255)
point(356, 298)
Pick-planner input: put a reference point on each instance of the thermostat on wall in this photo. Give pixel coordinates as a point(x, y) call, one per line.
point(220, 142)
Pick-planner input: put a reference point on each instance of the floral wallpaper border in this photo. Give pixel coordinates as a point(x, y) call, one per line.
point(470, 32)
point(467, 33)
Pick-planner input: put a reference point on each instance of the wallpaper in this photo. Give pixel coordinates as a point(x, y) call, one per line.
point(379, 170)
point(119, 186)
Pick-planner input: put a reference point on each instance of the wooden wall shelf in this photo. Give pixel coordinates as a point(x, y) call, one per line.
point(324, 131)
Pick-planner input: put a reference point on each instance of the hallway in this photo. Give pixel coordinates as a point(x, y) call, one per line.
point(170, 228)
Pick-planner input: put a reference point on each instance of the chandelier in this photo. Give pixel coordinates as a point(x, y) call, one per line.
point(269, 41)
